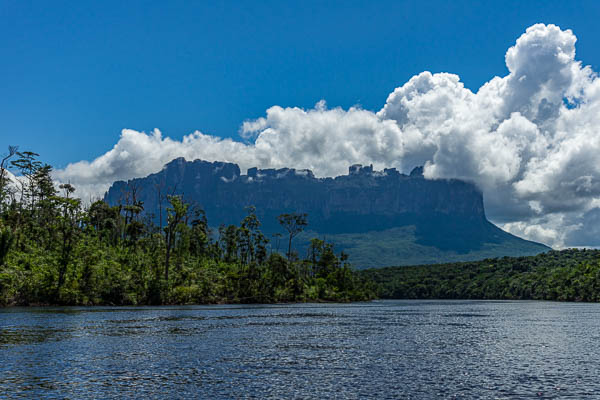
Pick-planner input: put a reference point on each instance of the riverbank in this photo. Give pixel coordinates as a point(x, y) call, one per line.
point(56, 250)
point(277, 281)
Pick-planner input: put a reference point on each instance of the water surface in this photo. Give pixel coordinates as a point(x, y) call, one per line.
point(383, 349)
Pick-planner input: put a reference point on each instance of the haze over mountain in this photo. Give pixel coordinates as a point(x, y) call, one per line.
point(380, 218)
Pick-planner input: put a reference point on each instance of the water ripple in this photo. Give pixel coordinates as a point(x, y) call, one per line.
point(382, 350)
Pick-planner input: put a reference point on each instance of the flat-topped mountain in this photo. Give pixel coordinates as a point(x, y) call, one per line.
point(379, 218)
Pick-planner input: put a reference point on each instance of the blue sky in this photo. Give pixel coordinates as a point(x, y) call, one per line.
point(73, 74)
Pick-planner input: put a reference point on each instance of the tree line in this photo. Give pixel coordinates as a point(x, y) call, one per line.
point(567, 275)
point(56, 250)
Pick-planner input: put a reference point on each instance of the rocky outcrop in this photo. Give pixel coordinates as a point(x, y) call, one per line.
point(446, 214)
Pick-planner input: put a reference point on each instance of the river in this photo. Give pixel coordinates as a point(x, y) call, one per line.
point(380, 350)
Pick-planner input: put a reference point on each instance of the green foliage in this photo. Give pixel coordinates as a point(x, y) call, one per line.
point(55, 251)
point(6, 239)
point(568, 275)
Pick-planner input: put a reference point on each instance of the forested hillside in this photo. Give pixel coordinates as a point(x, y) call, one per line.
point(568, 275)
point(55, 250)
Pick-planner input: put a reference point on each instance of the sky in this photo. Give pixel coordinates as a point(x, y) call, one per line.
point(472, 90)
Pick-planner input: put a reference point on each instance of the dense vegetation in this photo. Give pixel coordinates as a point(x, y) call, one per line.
point(568, 275)
point(53, 250)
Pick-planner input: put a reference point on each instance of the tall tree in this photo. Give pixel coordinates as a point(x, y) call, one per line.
point(315, 250)
point(228, 236)
point(200, 233)
point(28, 165)
point(175, 216)
point(293, 223)
point(6, 239)
point(12, 150)
point(68, 222)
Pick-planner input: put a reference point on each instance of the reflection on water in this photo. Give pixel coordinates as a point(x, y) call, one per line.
point(387, 349)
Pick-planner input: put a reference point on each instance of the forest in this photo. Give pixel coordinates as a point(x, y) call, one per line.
point(567, 275)
point(56, 250)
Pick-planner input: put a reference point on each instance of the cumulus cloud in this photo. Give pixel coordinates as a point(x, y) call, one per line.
point(530, 140)
point(10, 179)
point(9, 176)
point(138, 154)
point(13, 184)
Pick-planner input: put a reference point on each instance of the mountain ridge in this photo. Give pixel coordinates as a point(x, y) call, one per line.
point(447, 216)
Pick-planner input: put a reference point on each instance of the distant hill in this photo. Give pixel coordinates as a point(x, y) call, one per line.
point(380, 218)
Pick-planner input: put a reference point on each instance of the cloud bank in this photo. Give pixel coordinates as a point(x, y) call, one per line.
point(530, 140)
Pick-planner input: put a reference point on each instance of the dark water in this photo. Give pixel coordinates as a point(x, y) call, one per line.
point(388, 349)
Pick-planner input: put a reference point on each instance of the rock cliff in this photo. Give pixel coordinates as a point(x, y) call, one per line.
point(436, 216)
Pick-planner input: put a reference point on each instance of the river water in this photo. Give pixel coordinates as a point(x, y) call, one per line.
point(381, 350)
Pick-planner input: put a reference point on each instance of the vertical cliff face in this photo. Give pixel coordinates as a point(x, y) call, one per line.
point(360, 201)
point(445, 214)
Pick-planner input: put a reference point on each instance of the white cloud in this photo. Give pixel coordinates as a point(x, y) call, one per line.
point(530, 139)
point(10, 179)
point(9, 176)
point(138, 154)
point(13, 184)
